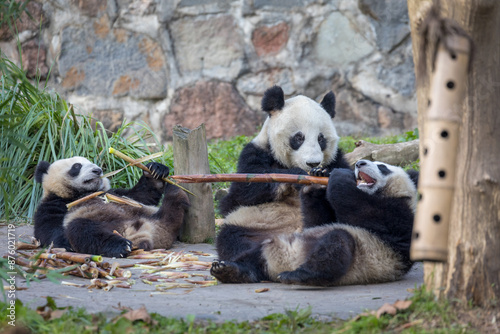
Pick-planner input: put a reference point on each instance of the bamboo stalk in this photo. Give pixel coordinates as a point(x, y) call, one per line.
point(241, 177)
point(143, 167)
point(122, 200)
point(83, 199)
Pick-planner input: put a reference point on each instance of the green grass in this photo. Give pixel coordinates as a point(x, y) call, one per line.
point(37, 125)
point(425, 315)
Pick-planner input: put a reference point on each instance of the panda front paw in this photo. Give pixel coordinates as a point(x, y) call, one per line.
point(117, 247)
point(231, 272)
point(158, 171)
point(313, 191)
point(319, 171)
point(342, 176)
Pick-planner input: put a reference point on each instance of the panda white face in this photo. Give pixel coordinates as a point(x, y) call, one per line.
point(301, 134)
point(67, 177)
point(391, 181)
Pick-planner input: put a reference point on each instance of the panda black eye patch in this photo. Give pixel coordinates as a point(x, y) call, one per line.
point(384, 170)
point(322, 141)
point(75, 170)
point(297, 140)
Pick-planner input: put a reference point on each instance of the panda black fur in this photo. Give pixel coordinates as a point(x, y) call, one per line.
point(298, 136)
point(88, 227)
point(370, 243)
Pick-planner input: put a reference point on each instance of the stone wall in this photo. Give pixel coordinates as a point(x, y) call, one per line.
point(191, 61)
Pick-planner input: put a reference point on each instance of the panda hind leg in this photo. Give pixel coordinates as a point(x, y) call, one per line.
point(330, 259)
point(91, 237)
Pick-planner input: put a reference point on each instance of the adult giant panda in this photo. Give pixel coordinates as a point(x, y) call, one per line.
point(370, 243)
point(298, 136)
point(89, 227)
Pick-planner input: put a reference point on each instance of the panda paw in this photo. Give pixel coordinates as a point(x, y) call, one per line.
point(230, 272)
point(342, 176)
point(319, 171)
point(288, 277)
point(158, 171)
point(117, 247)
point(315, 191)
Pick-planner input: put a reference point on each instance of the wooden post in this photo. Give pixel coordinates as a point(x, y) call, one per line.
point(191, 157)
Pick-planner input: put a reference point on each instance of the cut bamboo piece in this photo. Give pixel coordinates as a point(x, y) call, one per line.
point(84, 199)
point(77, 257)
point(122, 200)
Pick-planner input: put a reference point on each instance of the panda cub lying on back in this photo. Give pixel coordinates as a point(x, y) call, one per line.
point(88, 227)
point(370, 243)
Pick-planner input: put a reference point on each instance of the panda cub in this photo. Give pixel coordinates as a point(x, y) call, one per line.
point(89, 227)
point(370, 243)
point(298, 137)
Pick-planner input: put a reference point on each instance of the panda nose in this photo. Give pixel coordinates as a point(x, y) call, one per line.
point(313, 164)
point(97, 171)
point(360, 163)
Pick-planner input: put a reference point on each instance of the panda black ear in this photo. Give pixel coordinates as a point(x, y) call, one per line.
point(328, 103)
point(274, 99)
point(41, 169)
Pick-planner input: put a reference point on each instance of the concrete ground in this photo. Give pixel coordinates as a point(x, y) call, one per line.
point(219, 302)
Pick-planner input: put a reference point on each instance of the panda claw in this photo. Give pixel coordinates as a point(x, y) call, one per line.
point(319, 171)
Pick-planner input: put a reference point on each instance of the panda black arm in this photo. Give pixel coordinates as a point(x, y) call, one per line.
point(149, 188)
point(316, 210)
point(339, 161)
point(254, 159)
point(390, 218)
point(315, 207)
point(49, 218)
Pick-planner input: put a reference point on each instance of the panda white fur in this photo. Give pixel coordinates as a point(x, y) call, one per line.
point(370, 243)
point(89, 227)
point(298, 137)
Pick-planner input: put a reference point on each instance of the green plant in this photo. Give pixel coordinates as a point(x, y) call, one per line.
point(38, 125)
point(424, 315)
point(11, 10)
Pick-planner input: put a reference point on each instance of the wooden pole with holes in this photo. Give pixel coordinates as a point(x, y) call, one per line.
point(439, 150)
point(191, 157)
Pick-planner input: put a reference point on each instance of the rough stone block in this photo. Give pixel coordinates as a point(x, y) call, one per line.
point(269, 40)
point(217, 104)
point(339, 43)
point(208, 43)
point(118, 63)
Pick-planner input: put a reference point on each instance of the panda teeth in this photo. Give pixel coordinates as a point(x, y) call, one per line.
point(364, 180)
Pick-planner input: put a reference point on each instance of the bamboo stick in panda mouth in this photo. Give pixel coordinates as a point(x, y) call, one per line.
point(245, 178)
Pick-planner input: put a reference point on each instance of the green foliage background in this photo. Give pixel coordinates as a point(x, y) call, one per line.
point(36, 125)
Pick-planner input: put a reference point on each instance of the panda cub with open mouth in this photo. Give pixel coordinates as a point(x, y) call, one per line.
point(369, 243)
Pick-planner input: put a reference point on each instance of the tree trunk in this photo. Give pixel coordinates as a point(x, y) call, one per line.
point(472, 272)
